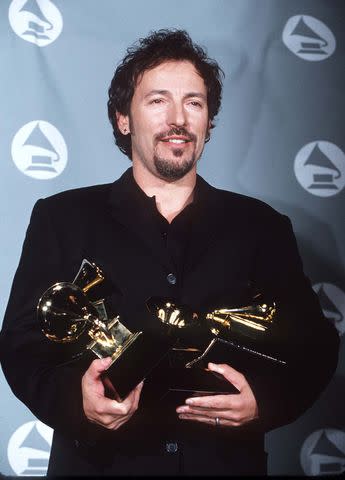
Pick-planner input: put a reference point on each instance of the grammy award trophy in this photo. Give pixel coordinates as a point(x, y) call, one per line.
point(66, 314)
point(233, 335)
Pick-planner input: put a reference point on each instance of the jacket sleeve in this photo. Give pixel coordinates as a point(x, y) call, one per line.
point(37, 369)
point(305, 337)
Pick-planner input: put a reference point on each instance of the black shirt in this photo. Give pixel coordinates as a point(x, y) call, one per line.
point(174, 236)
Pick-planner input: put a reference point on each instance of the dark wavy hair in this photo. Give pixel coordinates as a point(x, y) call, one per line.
point(149, 52)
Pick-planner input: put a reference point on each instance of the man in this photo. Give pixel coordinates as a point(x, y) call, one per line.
point(161, 230)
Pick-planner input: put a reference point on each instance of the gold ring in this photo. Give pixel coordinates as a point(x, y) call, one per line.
point(217, 422)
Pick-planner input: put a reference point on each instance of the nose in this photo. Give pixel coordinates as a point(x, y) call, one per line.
point(177, 115)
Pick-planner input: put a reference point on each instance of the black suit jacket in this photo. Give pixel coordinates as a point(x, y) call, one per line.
point(234, 241)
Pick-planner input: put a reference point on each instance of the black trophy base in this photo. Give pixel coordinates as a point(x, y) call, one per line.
point(135, 363)
point(194, 382)
point(177, 382)
point(249, 359)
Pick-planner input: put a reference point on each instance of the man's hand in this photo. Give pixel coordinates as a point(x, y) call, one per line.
point(102, 410)
point(231, 410)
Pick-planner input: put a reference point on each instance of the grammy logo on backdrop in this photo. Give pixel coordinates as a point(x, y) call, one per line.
point(308, 38)
point(314, 43)
point(320, 168)
point(39, 150)
point(326, 179)
point(36, 21)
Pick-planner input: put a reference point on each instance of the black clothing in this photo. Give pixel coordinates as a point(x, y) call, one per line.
point(220, 244)
point(174, 235)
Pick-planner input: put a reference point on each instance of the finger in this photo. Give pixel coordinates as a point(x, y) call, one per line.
point(112, 414)
point(139, 387)
point(134, 393)
point(210, 421)
point(96, 368)
point(214, 402)
point(116, 424)
point(105, 420)
point(119, 414)
point(137, 393)
point(132, 400)
point(230, 374)
point(107, 406)
point(226, 413)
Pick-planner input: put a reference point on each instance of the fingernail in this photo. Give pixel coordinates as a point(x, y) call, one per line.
point(215, 367)
point(106, 361)
point(181, 409)
point(189, 401)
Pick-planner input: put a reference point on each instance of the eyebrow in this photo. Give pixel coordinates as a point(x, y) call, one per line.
point(166, 92)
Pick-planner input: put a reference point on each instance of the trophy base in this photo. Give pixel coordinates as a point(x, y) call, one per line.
point(135, 363)
point(195, 382)
point(246, 359)
point(187, 374)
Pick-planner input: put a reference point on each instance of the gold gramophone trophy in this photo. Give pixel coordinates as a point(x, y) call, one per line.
point(66, 314)
point(245, 331)
point(238, 337)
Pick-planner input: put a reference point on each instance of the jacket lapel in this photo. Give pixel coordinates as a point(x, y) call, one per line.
point(208, 223)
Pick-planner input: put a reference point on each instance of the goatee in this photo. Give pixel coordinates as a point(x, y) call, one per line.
point(170, 170)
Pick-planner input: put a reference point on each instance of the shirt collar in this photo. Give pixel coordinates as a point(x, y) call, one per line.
point(136, 197)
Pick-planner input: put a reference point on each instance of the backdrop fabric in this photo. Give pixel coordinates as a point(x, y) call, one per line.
point(278, 137)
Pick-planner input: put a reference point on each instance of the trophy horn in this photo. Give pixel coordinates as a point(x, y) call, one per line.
point(171, 313)
point(64, 311)
point(88, 276)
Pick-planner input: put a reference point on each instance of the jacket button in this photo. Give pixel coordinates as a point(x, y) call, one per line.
point(171, 278)
point(171, 447)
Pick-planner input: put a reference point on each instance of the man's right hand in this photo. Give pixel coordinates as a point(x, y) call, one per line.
point(102, 410)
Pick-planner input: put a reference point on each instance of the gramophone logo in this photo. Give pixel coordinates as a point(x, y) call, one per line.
point(320, 168)
point(308, 38)
point(332, 301)
point(29, 449)
point(323, 453)
point(36, 21)
point(39, 150)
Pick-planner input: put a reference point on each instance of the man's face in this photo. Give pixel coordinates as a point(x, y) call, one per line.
point(168, 120)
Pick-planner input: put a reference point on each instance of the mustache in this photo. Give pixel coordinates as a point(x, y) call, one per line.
point(176, 131)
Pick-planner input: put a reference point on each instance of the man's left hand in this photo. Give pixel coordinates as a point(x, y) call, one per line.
point(232, 410)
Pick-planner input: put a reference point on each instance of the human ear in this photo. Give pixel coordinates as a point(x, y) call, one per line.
point(123, 123)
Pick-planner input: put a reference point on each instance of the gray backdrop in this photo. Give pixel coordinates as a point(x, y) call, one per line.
point(279, 138)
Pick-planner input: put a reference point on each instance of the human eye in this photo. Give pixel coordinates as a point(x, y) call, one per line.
point(156, 101)
point(196, 103)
